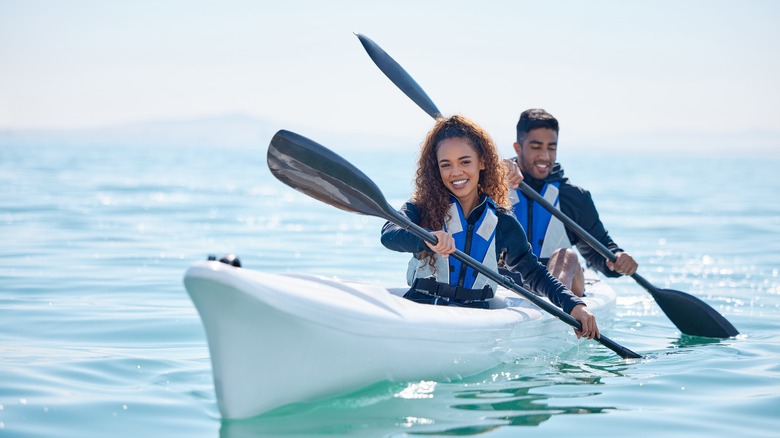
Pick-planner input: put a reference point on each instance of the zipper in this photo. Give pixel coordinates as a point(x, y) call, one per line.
point(467, 250)
point(530, 221)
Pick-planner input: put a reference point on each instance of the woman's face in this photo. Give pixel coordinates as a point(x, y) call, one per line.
point(459, 166)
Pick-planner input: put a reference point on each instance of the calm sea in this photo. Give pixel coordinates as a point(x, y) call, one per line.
point(99, 338)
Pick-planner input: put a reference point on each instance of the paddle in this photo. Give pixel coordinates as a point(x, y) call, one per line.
point(320, 173)
point(691, 315)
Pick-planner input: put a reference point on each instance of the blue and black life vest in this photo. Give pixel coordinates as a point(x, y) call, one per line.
point(545, 232)
point(477, 240)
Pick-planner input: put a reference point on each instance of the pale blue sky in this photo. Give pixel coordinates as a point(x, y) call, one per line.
point(602, 67)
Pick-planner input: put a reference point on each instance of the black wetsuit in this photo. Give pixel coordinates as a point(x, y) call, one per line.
point(577, 204)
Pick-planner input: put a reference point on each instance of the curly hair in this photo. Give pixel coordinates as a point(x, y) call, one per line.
point(430, 193)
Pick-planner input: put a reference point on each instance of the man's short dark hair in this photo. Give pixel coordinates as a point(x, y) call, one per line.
point(532, 119)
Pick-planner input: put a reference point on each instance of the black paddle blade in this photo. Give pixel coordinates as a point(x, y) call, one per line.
point(315, 170)
point(691, 315)
point(399, 76)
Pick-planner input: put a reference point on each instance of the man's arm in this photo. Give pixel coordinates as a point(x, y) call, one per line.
point(577, 204)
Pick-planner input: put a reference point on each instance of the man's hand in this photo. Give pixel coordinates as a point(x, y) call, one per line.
point(514, 176)
point(624, 264)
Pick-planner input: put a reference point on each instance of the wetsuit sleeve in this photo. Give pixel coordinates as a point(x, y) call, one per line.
point(519, 258)
point(578, 205)
point(399, 239)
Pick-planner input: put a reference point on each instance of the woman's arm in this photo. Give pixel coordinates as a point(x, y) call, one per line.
point(399, 239)
point(520, 258)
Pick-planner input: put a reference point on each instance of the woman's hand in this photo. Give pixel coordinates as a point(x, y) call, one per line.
point(590, 329)
point(445, 245)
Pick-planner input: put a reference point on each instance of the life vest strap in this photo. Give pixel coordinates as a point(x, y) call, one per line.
point(432, 287)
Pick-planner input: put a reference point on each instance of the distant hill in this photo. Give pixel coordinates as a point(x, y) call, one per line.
point(233, 130)
point(239, 130)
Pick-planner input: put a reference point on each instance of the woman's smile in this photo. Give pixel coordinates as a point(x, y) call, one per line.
point(459, 167)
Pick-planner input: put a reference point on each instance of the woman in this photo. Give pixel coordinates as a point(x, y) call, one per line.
point(461, 194)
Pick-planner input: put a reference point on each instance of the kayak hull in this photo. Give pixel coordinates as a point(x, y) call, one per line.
point(279, 339)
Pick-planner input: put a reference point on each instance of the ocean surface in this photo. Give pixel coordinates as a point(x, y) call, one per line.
point(98, 336)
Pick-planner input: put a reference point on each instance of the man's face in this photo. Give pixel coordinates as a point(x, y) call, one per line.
point(537, 153)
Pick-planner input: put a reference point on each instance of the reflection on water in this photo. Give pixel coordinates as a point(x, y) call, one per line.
point(522, 406)
point(525, 393)
point(686, 341)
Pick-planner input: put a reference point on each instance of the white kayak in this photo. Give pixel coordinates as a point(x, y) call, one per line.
point(276, 339)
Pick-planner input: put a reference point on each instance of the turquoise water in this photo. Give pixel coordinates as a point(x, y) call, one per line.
point(99, 338)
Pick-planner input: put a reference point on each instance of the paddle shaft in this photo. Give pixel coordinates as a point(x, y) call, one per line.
point(508, 283)
point(584, 235)
point(577, 229)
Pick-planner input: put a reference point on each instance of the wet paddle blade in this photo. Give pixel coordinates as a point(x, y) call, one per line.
point(691, 315)
point(399, 76)
point(315, 170)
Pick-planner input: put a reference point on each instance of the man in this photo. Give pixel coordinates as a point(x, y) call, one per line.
point(536, 147)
